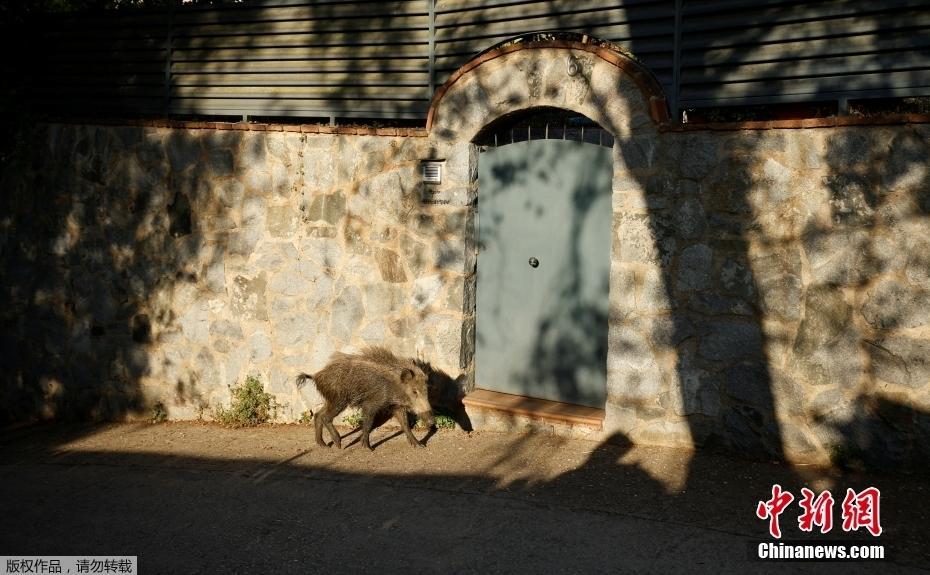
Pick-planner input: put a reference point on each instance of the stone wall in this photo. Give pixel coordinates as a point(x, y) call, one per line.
point(770, 289)
point(771, 292)
point(146, 265)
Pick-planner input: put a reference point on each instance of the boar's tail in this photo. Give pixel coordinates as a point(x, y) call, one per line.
point(303, 378)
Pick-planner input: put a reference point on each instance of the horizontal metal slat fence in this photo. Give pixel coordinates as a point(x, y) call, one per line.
point(363, 58)
point(737, 52)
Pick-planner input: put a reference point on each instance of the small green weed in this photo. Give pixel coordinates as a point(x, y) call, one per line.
point(159, 413)
point(353, 419)
point(305, 417)
point(250, 405)
point(441, 421)
point(444, 422)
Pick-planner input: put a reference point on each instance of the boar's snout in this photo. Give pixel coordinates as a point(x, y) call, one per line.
point(423, 409)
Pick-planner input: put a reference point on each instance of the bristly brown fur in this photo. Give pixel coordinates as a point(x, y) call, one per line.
point(302, 379)
point(373, 380)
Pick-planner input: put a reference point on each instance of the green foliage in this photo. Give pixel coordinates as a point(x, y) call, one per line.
point(444, 422)
point(354, 419)
point(441, 421)
point(159, 413)
point(250, 405)
point(305, 417)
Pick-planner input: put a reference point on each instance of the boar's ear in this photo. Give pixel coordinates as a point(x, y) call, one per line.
point(406, 376)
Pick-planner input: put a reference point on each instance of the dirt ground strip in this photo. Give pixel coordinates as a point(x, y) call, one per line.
point(199, 498)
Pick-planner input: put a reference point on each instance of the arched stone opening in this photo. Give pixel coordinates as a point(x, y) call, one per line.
point(617, 93)
point(583, 76)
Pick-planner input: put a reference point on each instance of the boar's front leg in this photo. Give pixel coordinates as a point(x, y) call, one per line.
point(401, 414)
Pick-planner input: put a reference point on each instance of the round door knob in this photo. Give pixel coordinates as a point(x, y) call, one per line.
point(534, 263)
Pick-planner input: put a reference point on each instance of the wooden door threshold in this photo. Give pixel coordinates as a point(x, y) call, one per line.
point(540, 409)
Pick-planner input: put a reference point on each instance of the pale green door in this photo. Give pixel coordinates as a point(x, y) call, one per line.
point(544, 219)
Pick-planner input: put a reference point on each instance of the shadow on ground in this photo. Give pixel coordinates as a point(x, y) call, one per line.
point(197, 498)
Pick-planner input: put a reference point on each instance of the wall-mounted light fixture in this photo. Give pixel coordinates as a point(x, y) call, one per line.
point(432, 171)
point(573, 66)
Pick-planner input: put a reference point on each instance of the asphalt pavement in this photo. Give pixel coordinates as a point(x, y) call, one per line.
point(199, 498)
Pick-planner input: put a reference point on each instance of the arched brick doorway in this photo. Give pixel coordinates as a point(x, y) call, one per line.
point(617, 93)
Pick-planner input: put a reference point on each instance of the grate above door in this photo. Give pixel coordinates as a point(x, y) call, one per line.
point(543, 124)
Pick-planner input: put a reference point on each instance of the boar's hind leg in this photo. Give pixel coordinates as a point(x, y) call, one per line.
point(401, 414)
point(368, 421)
point(318, 426)
point(325, 417)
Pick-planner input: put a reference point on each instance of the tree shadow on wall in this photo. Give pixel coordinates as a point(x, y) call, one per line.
point(701, 217)
point(869, 251)
point(104, 253)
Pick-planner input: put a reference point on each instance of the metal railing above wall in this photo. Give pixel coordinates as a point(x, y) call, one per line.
point(289, 59)
point(370, 59)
